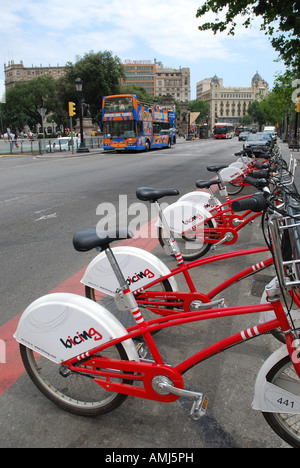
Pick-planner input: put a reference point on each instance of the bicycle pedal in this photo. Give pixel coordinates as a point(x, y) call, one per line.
point(199, 407)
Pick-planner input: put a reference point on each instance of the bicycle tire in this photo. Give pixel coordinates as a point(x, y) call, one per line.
point(123, 316)
point(193, 255)
point(286, 425)
point(233, 189)
point(78, 393)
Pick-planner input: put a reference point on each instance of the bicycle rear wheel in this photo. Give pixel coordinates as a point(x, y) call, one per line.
point(190, 247)
point(76, 393)
point(233, 189)
point(286, 425)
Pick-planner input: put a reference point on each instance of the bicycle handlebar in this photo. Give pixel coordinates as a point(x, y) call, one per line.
point(255, 203)
point(258, 183)
point(262, 174)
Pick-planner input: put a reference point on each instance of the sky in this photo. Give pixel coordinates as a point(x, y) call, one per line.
point(43, 32)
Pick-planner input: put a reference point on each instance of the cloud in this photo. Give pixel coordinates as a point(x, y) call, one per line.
point(52, 31)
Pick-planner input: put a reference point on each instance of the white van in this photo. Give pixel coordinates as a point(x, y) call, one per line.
point(270, 129)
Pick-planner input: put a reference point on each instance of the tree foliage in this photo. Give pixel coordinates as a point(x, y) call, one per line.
point(24, 99)
point(101, 74)
point(280, 101)
point(199, 106)
point(279, 20)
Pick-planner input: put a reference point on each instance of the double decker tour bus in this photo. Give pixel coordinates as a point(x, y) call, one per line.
point(131, 125)
point(223, 130)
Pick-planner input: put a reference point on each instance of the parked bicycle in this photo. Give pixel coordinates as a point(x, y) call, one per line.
point(199, 221)
point(234, 176)
point(81, 358)
point(152, 283)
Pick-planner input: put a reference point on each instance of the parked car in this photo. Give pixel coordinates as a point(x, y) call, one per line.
point(243, 136)
point(61, 144)
point(258, 142)
point(272, 134)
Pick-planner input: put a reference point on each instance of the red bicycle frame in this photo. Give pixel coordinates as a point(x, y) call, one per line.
point(160, 302)
point(227, 222)
point(142, 373)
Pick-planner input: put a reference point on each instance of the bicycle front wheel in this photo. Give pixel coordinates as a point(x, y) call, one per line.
point(76, 393)
point(286, 425)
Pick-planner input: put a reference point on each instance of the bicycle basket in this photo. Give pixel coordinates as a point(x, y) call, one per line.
point(287, 257)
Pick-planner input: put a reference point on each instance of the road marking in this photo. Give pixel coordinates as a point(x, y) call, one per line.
point(52, 215)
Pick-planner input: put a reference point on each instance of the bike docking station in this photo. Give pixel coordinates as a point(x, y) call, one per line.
point(71, 344)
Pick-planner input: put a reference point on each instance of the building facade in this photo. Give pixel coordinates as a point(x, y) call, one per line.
point(173, 82)
point(157, 79)
point(140, 73)
point(229, 104)
point(17, 73)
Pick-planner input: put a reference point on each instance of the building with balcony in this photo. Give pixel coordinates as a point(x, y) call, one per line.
point(173, 82)
point(158, 80)
point(226, 103)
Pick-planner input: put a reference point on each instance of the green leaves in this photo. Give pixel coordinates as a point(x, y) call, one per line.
point(277, 17)
point(101, 73)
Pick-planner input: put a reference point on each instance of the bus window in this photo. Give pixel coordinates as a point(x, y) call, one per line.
point(120, 129)
point(118, 104)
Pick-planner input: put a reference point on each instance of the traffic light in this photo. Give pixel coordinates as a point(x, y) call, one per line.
point(72, 109)
point(298, 105)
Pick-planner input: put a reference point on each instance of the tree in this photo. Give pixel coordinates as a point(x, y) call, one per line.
point(199, 106)
point(139, 92)
point(24, 99)
point(245, 120)
point(101, 74)
point(280, 21)
point(279, 105)
point(255, 111)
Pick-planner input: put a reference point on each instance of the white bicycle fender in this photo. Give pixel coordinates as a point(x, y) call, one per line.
point(184, 215)
point(229, 173)
point(61, 326)
point(240, 162)
point(139, 268)
point(198, 196)
point(269, 397)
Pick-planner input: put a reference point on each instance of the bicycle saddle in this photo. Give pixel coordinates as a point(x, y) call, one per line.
point(216, 168)
point(153, 194)
point(207, 183)
point(89, 239)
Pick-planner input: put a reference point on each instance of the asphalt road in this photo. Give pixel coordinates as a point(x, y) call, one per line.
point(43, 202)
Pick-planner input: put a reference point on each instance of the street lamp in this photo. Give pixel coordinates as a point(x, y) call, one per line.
point(189, 137)
point(78, 84)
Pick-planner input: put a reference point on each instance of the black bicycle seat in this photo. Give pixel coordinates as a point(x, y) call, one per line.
point(153, 194)
point(89, 239)
point(216, 168)
point(207, 183)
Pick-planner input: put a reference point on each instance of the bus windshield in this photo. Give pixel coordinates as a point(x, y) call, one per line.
point(220, 130)
point(120, 129)
point(119, 104)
